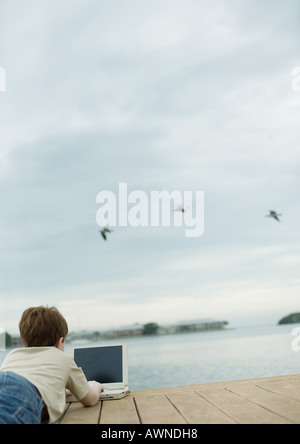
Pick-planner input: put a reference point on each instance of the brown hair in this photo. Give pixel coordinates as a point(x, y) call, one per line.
point(42, 327)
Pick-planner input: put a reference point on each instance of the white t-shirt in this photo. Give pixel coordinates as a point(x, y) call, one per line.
point(51, 371)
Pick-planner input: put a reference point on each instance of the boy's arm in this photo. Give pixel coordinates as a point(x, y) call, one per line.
point(92, 397)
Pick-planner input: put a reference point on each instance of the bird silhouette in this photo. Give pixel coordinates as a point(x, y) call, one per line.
point(179, 208)
point(274, 214)
point(104, 231)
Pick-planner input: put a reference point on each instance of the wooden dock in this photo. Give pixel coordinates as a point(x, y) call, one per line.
point(257, 401)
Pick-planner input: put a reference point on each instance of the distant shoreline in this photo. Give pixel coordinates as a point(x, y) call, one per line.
point(150, 329)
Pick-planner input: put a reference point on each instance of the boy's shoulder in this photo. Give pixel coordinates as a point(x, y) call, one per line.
point(35, 350)
point(36, 354)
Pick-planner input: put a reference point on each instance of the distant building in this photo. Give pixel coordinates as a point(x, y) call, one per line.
point(16, 341)
point(128, 331)
point(193, 326)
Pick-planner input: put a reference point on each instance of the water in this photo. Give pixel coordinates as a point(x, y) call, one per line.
point(196, 358)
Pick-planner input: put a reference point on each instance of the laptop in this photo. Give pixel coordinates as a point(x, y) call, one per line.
point(107, 364)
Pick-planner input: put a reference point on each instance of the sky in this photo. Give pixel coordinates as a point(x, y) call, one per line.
point(186, 95)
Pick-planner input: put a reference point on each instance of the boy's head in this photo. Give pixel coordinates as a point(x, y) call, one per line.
point(42, 327)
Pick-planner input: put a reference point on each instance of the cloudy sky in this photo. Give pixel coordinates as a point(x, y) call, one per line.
point(160, 95)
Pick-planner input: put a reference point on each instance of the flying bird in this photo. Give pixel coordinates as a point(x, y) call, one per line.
point(274, 214)
point(104, 231)
point(179, 208)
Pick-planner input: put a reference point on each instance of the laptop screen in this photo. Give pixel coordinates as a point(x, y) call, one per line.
point(101, 364)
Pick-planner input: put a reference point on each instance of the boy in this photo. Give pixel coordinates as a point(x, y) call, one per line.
point(34, 379)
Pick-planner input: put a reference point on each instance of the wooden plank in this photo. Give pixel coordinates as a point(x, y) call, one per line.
point(160, 391)
point(289, 388)
point(224, 384)
point(285, 407)
point(157, 409)
point(197, 410)
point(122, 411)
point(59, 421)
point(77, 414)
point(262, 400)
point(239, 409)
